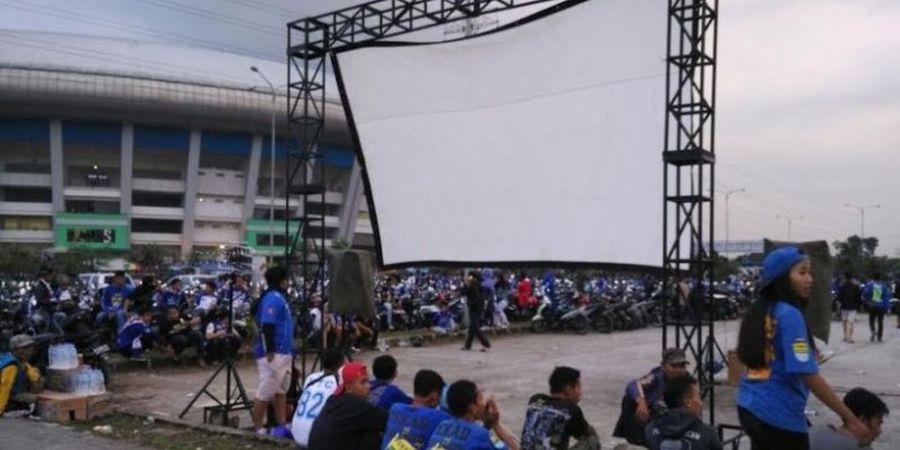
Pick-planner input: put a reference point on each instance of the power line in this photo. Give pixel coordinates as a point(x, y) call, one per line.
point(121, 26)
point(74, 50)
point(212, 15)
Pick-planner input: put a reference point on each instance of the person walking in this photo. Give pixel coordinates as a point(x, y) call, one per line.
point(777, 347)
point(877, 295)
point(850, 298)
point(474, 293)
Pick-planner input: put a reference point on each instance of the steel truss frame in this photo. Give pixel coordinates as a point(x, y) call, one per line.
point(688, 153)
point(689, 184)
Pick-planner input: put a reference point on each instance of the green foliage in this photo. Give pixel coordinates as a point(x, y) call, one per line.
point(149, 258)
point(19, 261)
point(857, 256)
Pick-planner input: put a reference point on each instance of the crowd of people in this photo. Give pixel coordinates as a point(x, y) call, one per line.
point(341, 407)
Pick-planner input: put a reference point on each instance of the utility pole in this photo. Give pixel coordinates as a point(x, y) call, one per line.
point(271, 258)
point(728, 195)
point(790, 220)
point(862, 216)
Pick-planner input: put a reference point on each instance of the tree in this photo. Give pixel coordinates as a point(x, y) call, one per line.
point(149, 258)
point(857, 256)
point(19, 261)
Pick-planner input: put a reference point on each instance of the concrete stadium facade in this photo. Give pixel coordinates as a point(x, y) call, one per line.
point(155, 145)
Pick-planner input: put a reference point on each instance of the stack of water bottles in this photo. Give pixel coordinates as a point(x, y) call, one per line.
point(89, 382)
point(63, 357)
point(86, 380)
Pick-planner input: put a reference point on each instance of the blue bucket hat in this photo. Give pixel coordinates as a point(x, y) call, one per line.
point(779, 262)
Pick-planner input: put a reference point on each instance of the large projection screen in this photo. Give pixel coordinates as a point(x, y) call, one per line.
point(539, 143)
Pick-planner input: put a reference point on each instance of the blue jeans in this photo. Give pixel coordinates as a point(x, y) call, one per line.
point(106, 316)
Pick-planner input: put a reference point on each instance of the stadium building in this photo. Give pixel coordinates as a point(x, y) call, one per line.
point(110, 144)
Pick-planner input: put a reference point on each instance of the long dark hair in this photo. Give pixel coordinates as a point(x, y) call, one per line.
point(752, 341)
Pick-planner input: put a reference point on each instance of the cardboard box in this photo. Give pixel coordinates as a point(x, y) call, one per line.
point(99, 406)
point(60, 380)
point(735, 369)
point(61, 407)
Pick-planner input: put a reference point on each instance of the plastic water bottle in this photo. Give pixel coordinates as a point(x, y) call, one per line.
point(63, 356)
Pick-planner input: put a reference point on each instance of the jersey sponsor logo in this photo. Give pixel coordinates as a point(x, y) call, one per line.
point(801, 350)
point(398, 443)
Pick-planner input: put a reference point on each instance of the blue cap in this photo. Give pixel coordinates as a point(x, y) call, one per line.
point(779, 262)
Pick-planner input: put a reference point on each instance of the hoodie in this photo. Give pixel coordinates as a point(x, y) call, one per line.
point(681, 429)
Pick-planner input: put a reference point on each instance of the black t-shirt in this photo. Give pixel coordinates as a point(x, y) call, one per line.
point(348, 422)
point(850, 296)
point(552, 421)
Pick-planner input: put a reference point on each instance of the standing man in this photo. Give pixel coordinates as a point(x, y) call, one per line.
point(552, 419)
point(475, 302)
point(878, 296)
point(273, 351)
point(850, 298)
point(45, 303)
point(644, 396)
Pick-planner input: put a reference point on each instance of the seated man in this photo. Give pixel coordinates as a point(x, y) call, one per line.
point(317, 388)
point(112, 301)
point(19, 380)
point(643, 397)
point(680, 427)
point(348, 421)
point(552, 419)
point(222, 341)
point(411, 426)
point(470, 409)
point(207, 301)
point(176, 331)
point(136, 336)
point(865, 405)
point(384, 393)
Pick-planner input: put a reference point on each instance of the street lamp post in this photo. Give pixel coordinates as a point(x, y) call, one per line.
point(728, 195)
point(271, 166)
point(862, 216)
point(790, 220)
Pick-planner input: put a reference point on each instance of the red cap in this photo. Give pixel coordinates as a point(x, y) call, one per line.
point(351, 371)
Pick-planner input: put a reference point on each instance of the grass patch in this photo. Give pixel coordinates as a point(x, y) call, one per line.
point(140, 432)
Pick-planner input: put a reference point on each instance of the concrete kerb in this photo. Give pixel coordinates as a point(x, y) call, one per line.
point(208, 429)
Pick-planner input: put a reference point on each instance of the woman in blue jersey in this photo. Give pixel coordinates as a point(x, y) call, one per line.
point(779, 352)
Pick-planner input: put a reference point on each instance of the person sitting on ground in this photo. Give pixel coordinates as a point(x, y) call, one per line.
point(644, 396)
point(348, 421)
point(207, 301)
point(176, 331)
point(470, 409)
point(317, 388)
point(552, 419)
point(19, 380)
point(870, 409)
point(136, 336)
point(173, 296)
point(143, 294)
point(222, 341)
point(112, 301)
point(411, 426)
point(680, 427)
point(383, 392)
point(361, 333)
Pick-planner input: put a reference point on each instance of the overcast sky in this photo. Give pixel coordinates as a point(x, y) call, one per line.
point(808, 112)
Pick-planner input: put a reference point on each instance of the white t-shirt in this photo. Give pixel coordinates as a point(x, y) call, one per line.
point(316, 389)
point(207, 302)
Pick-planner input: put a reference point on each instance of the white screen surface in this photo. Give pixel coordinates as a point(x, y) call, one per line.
point(539, 143)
